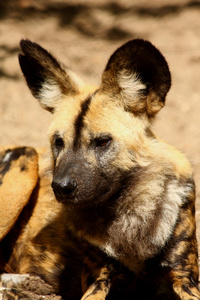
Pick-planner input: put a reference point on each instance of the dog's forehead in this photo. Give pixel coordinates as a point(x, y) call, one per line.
point(93, 113)
point(67, 110)
point(105, 114)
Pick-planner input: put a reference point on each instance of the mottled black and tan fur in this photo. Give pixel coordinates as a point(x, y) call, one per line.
point(125, 194)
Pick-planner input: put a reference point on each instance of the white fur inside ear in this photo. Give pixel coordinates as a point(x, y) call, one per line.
point(78, 82)
point(49, 93)
point(132, 87)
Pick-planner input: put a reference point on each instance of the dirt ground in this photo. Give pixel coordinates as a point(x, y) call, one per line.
point(83, 34)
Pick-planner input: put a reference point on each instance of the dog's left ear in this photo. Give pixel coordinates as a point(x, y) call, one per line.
point(138, 74)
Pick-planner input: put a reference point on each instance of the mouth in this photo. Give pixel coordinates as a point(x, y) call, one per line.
point(65, 199)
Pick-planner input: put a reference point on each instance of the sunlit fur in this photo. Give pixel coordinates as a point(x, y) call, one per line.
point(131, 209)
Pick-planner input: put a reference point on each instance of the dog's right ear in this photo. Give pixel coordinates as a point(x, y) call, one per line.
point(46, 78)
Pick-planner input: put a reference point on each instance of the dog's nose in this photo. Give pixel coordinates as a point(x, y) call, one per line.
point(63, 187)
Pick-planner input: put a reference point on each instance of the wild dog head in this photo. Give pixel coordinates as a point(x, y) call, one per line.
point(99, 136)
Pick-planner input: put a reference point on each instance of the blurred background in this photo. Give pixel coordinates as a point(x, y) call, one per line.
point(82, 35)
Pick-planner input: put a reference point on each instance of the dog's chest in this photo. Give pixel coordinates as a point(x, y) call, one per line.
point(139, 234)
point(140, 228)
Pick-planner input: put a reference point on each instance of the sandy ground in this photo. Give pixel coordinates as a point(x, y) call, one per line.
point(83, 34)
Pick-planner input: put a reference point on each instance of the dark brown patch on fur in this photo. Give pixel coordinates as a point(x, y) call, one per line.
point(23, 168)
point(149, 133)
point(14, 154)
point(79, 121)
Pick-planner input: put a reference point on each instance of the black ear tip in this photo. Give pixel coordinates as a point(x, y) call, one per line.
point(24, 43)
point(28, 46)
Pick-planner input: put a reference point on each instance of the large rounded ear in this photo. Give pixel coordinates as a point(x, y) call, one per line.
point(137, 74)
point(45, 76)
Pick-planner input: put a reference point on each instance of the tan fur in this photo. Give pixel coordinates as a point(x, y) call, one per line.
point(89, 293)
point(17, 186)
point(126, 199)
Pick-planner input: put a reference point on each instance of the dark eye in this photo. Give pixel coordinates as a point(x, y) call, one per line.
point(102, 142)
point(57, 145)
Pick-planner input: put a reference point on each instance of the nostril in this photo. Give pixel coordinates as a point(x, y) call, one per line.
point(68, 186)
point(71, 185)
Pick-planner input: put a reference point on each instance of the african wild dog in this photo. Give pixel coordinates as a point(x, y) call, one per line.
point(126, 195)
